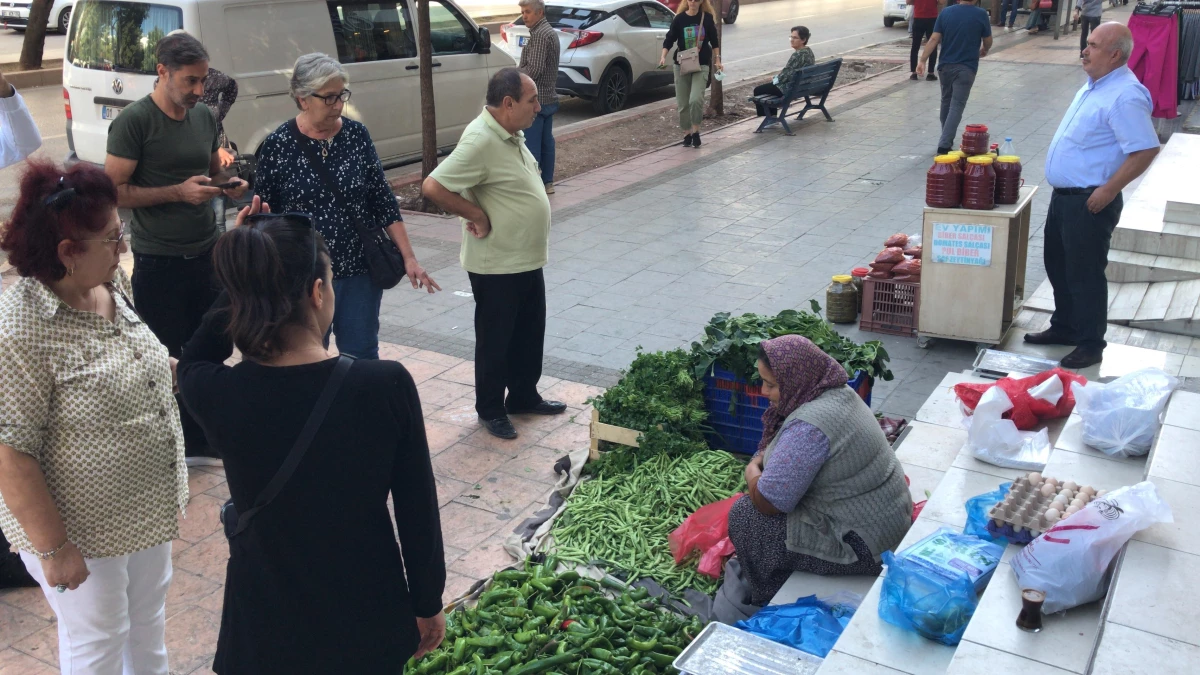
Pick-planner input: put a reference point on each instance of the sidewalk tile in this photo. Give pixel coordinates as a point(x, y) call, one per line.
point(17, 624)
point(441, 435)
point(43, 645)
point(203, 517)
point(448, 488)
point(502, 493)
point(485, 559)
point(187, 589)
point(467, 527)
point(16, 663)
point(447, 388)
point(191, 637)
point(468, 463)
point(206, 558)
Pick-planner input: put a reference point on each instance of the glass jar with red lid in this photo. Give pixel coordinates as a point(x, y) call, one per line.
point(979, 184)
point(943, 183)
point(975, 139)
point(1008, 179)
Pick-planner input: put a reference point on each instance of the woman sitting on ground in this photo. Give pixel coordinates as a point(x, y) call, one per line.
point(826, 493)
point(316, 582)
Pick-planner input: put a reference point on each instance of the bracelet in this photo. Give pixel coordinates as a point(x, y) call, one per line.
point(50, 554)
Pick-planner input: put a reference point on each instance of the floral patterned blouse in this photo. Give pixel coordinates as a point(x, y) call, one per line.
point(91, 400)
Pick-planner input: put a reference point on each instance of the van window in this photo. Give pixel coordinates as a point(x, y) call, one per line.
point(448, 31)
point(372, 31)
point(119, 36)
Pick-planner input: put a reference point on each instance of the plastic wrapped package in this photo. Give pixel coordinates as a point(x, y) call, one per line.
point(909, 266)
point(703, 530)
point(882, 267)
point(1120, 418)
point(1032, 402)
point(1072, 562)
point(997, 441)
point(977, 512)
point(891, 254)
point(810, 624)
point(933, 587)
point(899, 239)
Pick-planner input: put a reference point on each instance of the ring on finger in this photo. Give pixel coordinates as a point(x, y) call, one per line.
point(61, 588)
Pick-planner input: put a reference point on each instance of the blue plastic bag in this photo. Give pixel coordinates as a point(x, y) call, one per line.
point(977, 510)
point(933, 586)
point(809, 624)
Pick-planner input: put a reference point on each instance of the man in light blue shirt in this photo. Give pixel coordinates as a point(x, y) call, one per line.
point(1105, 140)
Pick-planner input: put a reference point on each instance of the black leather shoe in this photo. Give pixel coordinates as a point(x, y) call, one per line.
point(13, 573)
point(1083, 357)
point(913, 77)
point(942, 151)
point(543, 408)
point(696, 140)
point(1049, 337)
point(687, 141)
point(500, 427)
point(931, 78)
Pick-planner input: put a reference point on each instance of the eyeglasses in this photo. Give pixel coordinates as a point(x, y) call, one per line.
point(343, 96)
point(115, 242)
point(301, 219)
point(61, 195)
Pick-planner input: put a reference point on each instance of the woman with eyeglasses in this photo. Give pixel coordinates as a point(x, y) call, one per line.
point(325, 164)
point(316, 582)
point(92, 473)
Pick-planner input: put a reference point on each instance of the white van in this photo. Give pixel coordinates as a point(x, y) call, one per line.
point(110, 63)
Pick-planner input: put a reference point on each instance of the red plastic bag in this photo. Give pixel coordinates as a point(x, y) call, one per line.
point(918, 507)
point(892, 254)
point(713, 560)
point(913, 252)
point(702, 530)
point(899, 239)
point(882, 267)
point(1027, 411)
point(911, 266)
point(879, 274)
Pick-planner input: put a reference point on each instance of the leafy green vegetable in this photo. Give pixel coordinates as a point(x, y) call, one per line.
point(659, 388)
point(732, 343)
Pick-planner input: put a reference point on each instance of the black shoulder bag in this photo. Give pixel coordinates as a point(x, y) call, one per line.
point(234, 522)
point(385, 264)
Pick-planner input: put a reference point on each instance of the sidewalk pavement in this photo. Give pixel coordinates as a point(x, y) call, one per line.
point(485, 488)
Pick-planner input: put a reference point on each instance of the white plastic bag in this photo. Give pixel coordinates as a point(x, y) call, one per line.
point(995, 440)
point(1070, 562)
point(1120, 418)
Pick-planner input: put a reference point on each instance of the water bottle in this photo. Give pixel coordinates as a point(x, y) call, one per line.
point(1007, 147)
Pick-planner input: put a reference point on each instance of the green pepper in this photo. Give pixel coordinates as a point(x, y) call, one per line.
point(542, 665)
point(580, 591)
point(489, 642)
point(461, 670)
point(500, 661)
point(598, 665)
point(602, 654)
point(640, 646)
point(433, 663)
point(646, 631)
point(534, 623)
point(518, 612)
point(524, 637)
point(640, 593)
point(513, 576)
point(670, 649)
point(568, 577)
point(544, 610)
point(662, 660)
point(497, 596)
point(460, 650)
point(540, 585)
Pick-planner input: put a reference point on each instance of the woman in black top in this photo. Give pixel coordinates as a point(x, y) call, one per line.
point(316, 582)
point(696, 26)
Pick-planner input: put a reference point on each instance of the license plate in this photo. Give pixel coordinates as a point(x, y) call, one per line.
point(522, 40)
point(9, 12)
point(108, 112)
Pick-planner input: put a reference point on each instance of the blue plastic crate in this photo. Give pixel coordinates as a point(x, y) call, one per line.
point(741, 430)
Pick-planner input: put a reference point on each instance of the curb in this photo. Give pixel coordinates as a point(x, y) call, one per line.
point(24, 79)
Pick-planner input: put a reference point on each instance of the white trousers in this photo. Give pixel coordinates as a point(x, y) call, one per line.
point(115, 622)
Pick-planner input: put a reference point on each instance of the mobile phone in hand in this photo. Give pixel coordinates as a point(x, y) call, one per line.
point(226, 186)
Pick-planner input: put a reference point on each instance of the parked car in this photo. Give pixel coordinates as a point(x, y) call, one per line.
point(729, 8)
point(15, 15)
point(110, 63)
point(610, 48)
point(893, 11)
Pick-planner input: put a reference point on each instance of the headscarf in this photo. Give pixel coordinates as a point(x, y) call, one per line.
point(803, 372)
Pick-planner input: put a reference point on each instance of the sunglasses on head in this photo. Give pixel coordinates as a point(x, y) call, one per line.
point(295, 217)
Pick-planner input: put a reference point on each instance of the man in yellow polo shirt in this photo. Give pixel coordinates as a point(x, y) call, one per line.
point(494, 184)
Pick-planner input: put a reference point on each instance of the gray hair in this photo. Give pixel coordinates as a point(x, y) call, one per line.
point(506, 83)
point(535, 5)
point(179, 49)
point(313, 71)
point(1124, 44)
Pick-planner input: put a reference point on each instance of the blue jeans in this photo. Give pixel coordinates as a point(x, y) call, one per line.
point(1007, 6)
point(356, 316)
point(539, 138)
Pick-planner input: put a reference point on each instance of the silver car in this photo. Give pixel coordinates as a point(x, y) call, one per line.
point(610, 48)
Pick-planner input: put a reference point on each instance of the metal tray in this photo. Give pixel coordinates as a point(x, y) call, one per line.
point(724, 650)
point(995, 364)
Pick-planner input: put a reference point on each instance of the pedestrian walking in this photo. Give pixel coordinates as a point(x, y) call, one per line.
point(1087, 13)
point(316, 582)
point(925, 13)
point(695, 28)
point(1105, 140)
point(92, 474)
point(325, 164)
point(965, 34)
point(492, 183)
point(539, 60)
point(1008, 9)
point(163, 157)
point(802, 57)
point(220, 92)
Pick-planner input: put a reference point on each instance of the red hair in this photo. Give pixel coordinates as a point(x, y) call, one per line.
point(31, 238)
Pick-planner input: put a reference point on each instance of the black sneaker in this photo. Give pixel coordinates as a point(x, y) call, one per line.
point(501, 427)
point(913, 77)
point(931, 78)
point(687, 141)
point(13, 573)
point(696, 140)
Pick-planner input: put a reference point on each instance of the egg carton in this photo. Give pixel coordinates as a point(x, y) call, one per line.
point(1035, 504)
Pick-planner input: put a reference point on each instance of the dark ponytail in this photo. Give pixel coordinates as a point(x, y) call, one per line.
point(267, 269)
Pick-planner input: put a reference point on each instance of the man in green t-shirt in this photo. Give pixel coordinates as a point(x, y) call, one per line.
point(493, 183)
point(163, 158)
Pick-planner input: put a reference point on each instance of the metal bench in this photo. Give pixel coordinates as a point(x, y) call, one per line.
point(809, 83)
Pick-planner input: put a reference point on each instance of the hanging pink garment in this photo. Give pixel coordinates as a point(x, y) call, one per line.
point(1155, 60)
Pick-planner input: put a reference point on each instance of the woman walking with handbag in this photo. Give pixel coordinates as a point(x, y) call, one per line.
point(697, 52)
point(313, 447)
point(325, 164)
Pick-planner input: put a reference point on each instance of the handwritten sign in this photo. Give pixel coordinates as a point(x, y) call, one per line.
point(958, 244)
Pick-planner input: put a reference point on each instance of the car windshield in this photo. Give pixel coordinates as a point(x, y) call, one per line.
point(119, 36)
point(570, 17)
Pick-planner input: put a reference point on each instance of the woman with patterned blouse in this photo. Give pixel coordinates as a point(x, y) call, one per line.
point(288, 181)
point(91, 452)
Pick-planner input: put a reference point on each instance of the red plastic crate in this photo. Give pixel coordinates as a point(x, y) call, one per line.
point(890, 307)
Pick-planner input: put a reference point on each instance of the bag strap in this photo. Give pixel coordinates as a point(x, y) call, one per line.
point(318, 165)
point(302, 442)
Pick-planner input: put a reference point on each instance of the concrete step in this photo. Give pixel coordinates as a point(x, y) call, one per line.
point(1184, 212)
point(1131, 267)
point(1176, 237)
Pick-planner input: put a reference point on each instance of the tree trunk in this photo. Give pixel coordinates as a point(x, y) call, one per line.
point(716, 99)
point(428, 115)
point(35, 35)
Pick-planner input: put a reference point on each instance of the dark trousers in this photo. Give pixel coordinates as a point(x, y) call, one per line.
point(171, 295)
point(1076, 255)
point(510, 331)
point(922, 28)
point(767, 89)
point(956, 81)
point(1086, 25)
point(1007, 6)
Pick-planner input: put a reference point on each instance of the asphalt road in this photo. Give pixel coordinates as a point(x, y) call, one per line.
point(11, 42)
